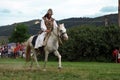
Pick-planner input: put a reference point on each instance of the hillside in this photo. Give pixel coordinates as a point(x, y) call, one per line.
point(98, 21)
point(71, 22)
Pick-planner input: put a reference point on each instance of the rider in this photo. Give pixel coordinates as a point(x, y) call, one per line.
point(47, 24)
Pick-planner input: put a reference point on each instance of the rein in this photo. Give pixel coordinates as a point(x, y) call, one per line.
point(59, 36)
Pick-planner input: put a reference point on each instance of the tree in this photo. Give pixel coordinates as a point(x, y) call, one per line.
point(20, 33)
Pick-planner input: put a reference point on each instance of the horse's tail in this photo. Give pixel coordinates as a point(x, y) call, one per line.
point(28, 51)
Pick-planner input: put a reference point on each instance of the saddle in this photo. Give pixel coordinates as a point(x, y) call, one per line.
point(46, 39)
point(44, 42)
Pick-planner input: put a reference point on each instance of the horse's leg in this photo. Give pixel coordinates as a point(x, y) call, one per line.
point(46, 59)
point(32, 59)
point(59, 57)
point(35, 58)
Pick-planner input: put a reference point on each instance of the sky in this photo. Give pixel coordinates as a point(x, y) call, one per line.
point(14, 11)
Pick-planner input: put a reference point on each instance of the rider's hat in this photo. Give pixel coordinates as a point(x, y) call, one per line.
point(50, 11)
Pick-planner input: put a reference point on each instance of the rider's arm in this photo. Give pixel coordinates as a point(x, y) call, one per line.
point(43, 26)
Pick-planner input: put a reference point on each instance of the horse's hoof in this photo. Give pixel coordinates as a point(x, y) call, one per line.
point(44, 69)
point(59, 68)
point(30, 66)
point(38, 66)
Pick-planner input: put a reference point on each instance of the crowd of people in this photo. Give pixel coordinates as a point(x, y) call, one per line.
point(12, 50)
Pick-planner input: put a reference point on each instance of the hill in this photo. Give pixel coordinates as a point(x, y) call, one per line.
point(98, 21)
point(71, 22)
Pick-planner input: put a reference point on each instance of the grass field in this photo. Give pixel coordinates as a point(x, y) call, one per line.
point(17, 69)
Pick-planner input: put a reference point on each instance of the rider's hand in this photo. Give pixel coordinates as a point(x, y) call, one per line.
point(47, 31)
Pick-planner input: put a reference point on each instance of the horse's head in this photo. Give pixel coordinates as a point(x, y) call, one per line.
point(62, 32)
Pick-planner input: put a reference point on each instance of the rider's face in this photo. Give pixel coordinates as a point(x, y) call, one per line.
point(49, 15)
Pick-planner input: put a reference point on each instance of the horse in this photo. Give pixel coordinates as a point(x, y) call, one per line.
point(57, 35)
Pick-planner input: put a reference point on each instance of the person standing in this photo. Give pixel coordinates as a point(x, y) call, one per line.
point(115, 54)
point(119, 56)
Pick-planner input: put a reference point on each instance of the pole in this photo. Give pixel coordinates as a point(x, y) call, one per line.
point(106, 21)
point(119, 13)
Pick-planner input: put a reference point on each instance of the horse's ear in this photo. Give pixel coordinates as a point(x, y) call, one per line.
point(59, 25)
point(63, 24)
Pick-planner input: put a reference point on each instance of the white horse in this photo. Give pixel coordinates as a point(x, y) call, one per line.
point(57, 34)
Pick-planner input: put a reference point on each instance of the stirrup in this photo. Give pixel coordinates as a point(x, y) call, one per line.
point(36, 48)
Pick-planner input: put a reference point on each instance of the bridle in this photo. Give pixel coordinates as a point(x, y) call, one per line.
point(59, 36)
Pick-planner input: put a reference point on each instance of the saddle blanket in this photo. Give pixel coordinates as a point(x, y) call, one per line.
point(34, 40)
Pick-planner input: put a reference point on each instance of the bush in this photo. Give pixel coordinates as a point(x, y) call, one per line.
point(90, 43)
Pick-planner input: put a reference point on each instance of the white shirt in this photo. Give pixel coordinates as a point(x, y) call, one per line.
point(43, 26)
point(118, 55)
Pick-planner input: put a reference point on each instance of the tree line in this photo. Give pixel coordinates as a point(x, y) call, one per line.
point(90, 43)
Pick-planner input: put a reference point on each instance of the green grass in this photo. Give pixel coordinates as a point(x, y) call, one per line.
point(17, 69)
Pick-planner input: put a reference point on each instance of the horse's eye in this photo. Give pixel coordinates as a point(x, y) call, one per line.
point(60, 30)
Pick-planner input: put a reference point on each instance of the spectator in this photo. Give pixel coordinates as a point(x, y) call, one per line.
point(118, 57)
point(17, 50)
point(115, 54)
point(12, 51)
point(6, 51)
point(22, 49)
point(9, 51)
point(0, 52)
